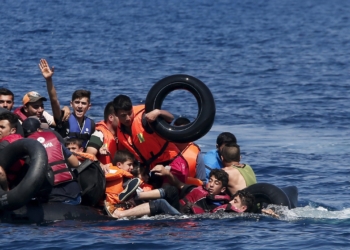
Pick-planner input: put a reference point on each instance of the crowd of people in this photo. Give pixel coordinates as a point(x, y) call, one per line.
point(145, 174)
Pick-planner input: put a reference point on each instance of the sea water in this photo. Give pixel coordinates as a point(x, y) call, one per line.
point(279, 73)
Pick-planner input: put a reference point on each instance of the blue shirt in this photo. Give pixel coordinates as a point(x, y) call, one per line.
point(212, 160)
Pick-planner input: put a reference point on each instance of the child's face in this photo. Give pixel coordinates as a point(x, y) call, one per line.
point(127, 165)
point(74, 148)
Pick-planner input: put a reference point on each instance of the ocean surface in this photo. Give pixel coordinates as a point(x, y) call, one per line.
point(279, 72)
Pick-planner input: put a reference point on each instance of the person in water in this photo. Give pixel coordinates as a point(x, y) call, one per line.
point(7, 99)
point(135, 135)
point(77, 125)
point(194, 200)
point(66, 189)
point(192, 154)
point(240, 175)
point(212, 159)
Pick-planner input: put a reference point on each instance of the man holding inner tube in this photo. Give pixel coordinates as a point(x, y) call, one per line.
point(135, 134)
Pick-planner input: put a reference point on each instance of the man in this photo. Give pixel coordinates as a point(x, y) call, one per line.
point(192, 154)
point(103, 142)
point(33, 106)
point(212, 158)
point(240, 175)
point(7, 99)
point(195, 200)
point(66, 189)
point(8, 124)
point(78, 125)
point(135, 135)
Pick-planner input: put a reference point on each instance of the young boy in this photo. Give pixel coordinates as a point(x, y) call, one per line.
point(78, 125)
point(119, 172)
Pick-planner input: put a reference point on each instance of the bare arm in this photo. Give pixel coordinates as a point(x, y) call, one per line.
point(47, 73)
point(154, 114)
point(73, 161)
point(160, 170)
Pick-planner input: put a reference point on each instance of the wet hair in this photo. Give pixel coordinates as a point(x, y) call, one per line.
point(137, 170)
point(225, 137)
point(80, 93)
point(181, 121)
point(247, 199)
point(109, 110)
point(123, 156)
point(11, 118)
point(77, 141)
point(231, 152)
point(4, 91)
point(122, 102)
point(220, 175)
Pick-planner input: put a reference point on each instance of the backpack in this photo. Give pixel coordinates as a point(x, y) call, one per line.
point(92, 181)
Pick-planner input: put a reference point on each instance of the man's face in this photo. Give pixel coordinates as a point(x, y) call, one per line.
point(127, 165)
point(125, 117)
point(34, 108)
point(214, 186)
point(6, 102)
point(237, 203)
point(5, 129)
point(80, 106)
point(74, 148)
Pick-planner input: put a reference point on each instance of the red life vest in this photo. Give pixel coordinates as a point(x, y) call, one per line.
point(56, 160)
point(14, 171)
point(149, 148)
point(20, 114)
point(109, 140)
point(199, 201)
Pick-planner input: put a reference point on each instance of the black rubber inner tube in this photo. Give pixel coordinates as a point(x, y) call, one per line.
point(268, 194)
point(34, 178)
point(206, 108)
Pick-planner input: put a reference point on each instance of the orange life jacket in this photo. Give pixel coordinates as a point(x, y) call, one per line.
point(109, 140)
point(190, 153)
point(114, 183)
point(149, 148)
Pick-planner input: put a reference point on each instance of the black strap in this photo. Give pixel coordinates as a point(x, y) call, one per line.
point(79, 136)
point(208, 167)
point(83, 165)
point(61, 170)
point(57, 162)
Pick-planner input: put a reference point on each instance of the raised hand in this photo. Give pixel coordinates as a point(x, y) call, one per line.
point(45, 69)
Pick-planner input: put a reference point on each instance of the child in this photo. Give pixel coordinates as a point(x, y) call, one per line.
point(139, 172)
point(119, 172)
point(75, 145)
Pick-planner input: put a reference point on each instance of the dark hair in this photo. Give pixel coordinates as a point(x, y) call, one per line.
point(231, 152)
point(4, 91)
point(109, 110)
point(122, 102)
point(11, 118)
point(181, 121)
point(220, 175)
point(123, 156)
point(73, 140)
point(225, 137)
point(80, 93)
point(247, 199)
point(137, 170)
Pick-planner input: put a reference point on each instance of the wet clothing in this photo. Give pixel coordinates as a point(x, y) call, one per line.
point(212, 160)
point(248, 174)
point(194, 158)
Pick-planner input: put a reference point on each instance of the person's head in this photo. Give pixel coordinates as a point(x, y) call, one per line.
point(139, 172)
point(223, 138)
point(181, 121)
point(109, 115)
point(33, 104)
point(243, 201)
point(7, 99)
point(124, 160)
point(30, 125)
point(8, 124)
point(74, 145)
point(230, 152)
point(123, 109)
point(218, 181)
point(80, 102)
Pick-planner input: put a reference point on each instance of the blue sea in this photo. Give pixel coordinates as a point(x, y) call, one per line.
point(278, 70)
